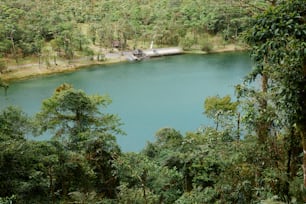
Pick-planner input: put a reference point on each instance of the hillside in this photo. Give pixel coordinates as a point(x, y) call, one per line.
point(48, 32)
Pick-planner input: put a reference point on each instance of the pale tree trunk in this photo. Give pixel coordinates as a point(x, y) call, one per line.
point(263, 125)
point(13, 46)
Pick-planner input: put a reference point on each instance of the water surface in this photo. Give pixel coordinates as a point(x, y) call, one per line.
point(147, 96)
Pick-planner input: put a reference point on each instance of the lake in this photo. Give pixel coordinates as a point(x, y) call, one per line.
point(147, 95)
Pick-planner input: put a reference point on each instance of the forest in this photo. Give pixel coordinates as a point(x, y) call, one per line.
point(45, 31)
point(255, 151)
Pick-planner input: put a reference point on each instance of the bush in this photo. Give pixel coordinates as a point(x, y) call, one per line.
point(7, 200)
point(206, 45)
point(187, 42)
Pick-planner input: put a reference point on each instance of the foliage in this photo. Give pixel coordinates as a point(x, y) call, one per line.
point(50, 171)
point(7, 200)
point(208, 195)
point(73, 26)
point(101, 155)
point(225, 114)
point(21, 172)
point(206, 46)
point(144, 181)
point(278, 40)
point(79, 197)
point(14, 124)
point(84, 164)
point(76, 119)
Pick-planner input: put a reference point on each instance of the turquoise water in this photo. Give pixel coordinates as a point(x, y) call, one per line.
point(148, 95)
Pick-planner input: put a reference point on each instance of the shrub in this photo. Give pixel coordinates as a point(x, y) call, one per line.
point(206, 45)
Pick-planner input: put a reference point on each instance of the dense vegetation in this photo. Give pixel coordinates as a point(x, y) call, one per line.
point(67, 29)
point(255, 152)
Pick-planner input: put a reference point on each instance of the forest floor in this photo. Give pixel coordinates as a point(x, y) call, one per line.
point(30, 69)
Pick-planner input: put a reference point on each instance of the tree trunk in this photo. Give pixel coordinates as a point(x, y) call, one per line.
point(188, 179)
point(143, 179)
point(304, 156)
point(264, 83)
point(144, 193)
point(238, 127)
point(13, 46)
point(303, 138)
point(54, 60)
point(302, 122)
point(39, 60)
point(293, 159)
point(51, 185)
point(263, 126)
point(217, 121)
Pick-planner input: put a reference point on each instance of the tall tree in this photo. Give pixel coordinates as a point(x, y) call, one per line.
point(21, 161)
point(88, 141)
point(75, 117)
point(278, 45)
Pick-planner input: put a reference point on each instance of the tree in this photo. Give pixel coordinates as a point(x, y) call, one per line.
point(12, 32)
point(278, 45)
point(88, 143)
point(145, 181)
point(101, 156)
point(14, 124)
point(21, 161)
point(221, 110)
point(75, 118)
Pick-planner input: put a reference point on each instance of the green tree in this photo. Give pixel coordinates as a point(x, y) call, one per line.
point(75, 118)
point(11, 29)
point(14, 124)
point(101, 155)
point(222, 110)
point(22, 162)
point(278, 45)
point(87, 141)
point(145, 181)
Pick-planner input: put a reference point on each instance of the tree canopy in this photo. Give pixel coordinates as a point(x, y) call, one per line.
point(278, 38)
point(71, 28)
point(254, 153)
point(75, 117)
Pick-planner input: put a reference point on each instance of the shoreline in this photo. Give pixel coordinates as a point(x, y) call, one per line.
point(28, 71)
